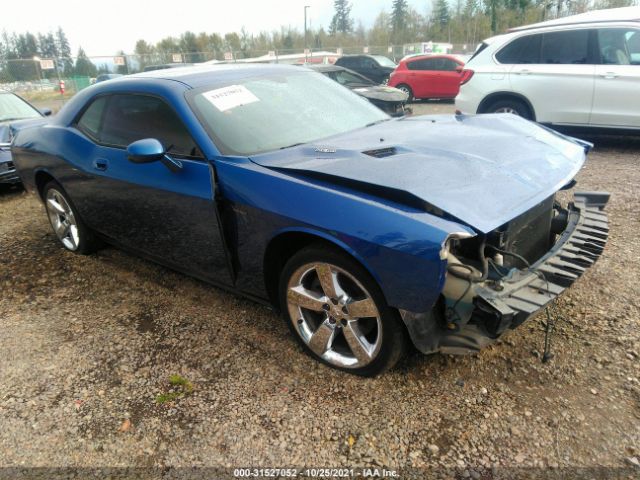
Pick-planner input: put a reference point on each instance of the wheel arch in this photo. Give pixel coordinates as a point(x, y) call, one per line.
point(282, 246)
point(505, 95)
point(41, 178)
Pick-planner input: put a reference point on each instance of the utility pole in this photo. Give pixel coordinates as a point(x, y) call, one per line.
point(305, 30)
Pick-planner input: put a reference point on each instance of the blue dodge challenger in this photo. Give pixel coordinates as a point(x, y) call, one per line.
point(368, 233)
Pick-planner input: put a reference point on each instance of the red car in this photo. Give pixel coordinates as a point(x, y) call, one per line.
point(428, 76)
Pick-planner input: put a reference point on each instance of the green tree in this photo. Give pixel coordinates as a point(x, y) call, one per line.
point(84, 67)
point(189, 47)
point(399, 14)
point(64, 52)
point(144, 54)
point(341, 21)
point(441, 14)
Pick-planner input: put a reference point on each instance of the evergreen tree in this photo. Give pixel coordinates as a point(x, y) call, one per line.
point(441, 15)
point(48, 46)
point(341, 22)
point(64, 52)
point(399, 14)
point(84, 67)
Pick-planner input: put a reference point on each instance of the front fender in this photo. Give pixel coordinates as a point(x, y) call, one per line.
point(400, 246)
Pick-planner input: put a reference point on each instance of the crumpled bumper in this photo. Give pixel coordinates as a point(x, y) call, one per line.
point(506, 304)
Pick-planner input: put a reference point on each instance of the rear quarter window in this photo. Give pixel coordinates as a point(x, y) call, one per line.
point(522, 50)
point(91, 120)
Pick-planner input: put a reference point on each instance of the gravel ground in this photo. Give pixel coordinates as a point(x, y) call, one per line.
point(89, 343)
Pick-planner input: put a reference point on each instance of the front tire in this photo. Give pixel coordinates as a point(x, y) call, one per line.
point(337, 312)
point(66, 222)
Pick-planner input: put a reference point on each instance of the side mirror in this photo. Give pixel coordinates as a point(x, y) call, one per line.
point(150, 150)
point(46, 112)
point(146, 150)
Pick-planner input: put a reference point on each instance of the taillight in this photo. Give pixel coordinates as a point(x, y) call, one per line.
point(465, 76)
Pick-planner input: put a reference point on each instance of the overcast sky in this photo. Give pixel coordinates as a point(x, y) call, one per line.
point(104, 27)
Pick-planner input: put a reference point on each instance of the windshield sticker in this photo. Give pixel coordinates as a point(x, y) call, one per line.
point(230, 97)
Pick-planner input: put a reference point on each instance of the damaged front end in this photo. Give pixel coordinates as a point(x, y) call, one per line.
point(496, 281)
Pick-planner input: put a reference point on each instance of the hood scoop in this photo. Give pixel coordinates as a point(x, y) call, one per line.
point(381, 152)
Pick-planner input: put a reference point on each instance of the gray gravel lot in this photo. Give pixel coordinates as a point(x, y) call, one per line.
point(88, 343)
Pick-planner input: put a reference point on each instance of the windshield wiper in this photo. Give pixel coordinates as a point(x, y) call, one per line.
point(293, 145)
point(2, 120)
point(376, 122)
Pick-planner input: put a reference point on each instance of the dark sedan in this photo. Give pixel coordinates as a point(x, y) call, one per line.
point(387, 99)
point(13, 112)
point(375, 67)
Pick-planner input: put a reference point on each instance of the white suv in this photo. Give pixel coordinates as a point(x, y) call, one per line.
point(582, 70)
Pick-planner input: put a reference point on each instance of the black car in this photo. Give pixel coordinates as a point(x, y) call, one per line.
point(374, 67)
point(107, 76)
point(388, 99)
point(13, 111)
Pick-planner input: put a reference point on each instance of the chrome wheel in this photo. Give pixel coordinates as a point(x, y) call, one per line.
point(62, 219)
point(507, 110)
point(335, 316)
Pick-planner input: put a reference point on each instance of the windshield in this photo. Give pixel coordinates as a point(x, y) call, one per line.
point(261, 114)
point(384, 61)
point(14, 108)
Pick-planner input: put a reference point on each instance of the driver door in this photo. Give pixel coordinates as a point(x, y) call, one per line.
point(168, 216)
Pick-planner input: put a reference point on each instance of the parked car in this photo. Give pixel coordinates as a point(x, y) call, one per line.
point(428, 76)
point(387, 99)
point(107, 76)
point(277, 183)
point(14, 111)
point(375, 67)
point(581, 71)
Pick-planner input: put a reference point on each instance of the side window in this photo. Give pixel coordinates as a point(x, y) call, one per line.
point(566, 48)
point(368, 63)
point(91, 120)
point(522, 50)
point(423, 64)
point(133, 117)
point(619, 46)
point(445, 65)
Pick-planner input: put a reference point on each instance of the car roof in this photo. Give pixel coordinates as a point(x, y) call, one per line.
point(624, 14)
point(202, 75)
point(431, 55)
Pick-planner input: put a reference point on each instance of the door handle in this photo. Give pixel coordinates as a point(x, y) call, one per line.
point(524, 71)
point(609, 75)
point(101, 164)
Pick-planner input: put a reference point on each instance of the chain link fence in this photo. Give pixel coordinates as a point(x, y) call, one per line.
point(41, 79)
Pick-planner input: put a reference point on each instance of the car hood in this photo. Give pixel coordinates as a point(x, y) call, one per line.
point(481, 170)
point(383, 94)
point(8, 129)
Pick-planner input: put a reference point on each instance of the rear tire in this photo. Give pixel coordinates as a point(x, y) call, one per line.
point(66, 222)
point(338, 314)
point(510, 105)
point(406, 89)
